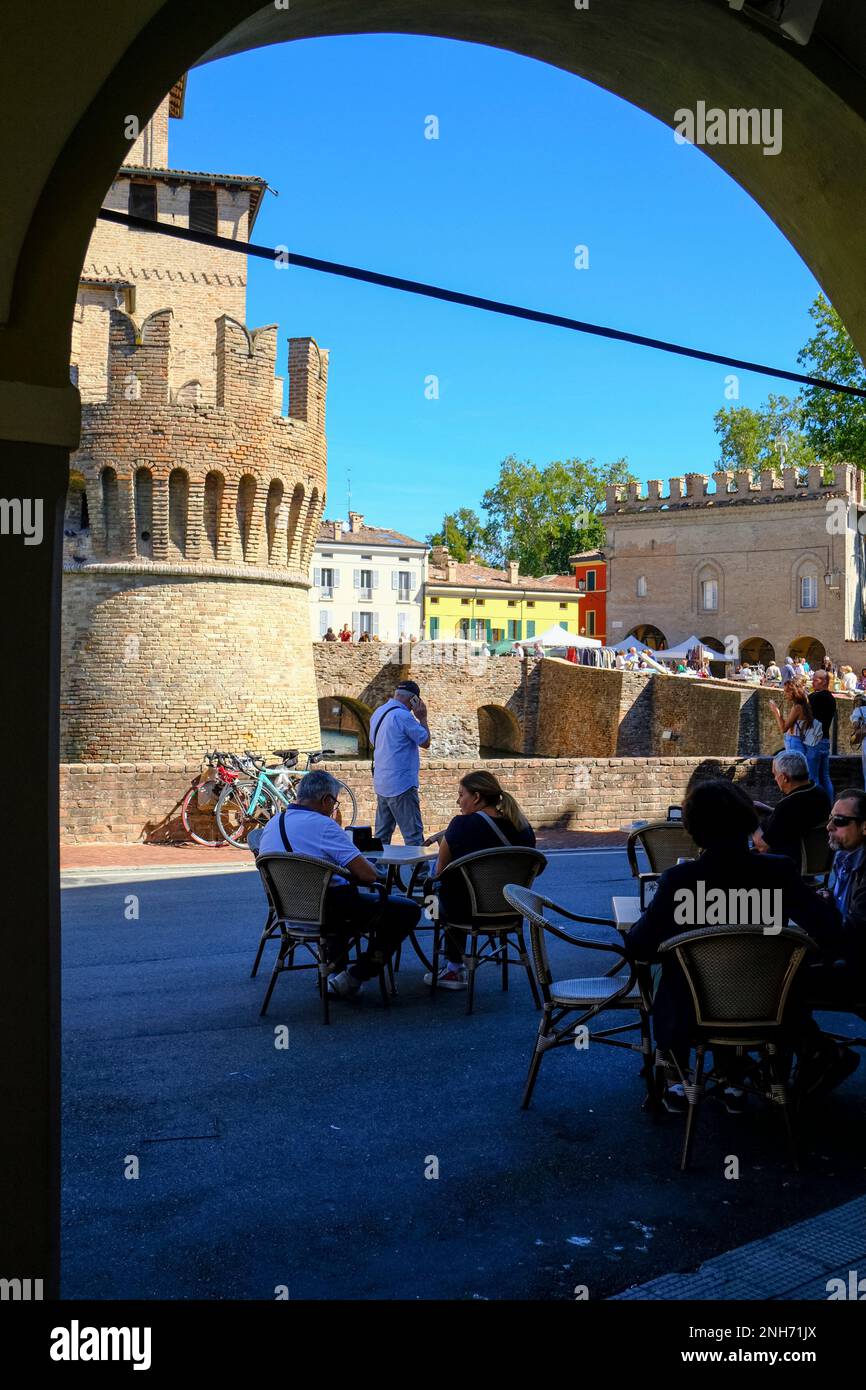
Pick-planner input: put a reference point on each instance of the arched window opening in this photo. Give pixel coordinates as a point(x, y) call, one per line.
point(214, 485)
point(144, 513)
point(178, 507)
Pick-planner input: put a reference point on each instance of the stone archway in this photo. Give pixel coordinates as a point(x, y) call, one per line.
point(757, 650)
point(661, 57)
point(499, 732)
point(349, 720)
point(808, 649)
point(651, 636)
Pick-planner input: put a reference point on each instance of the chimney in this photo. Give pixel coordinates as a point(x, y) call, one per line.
point(336, 529)
point(512, 571)
point(452, 570)
point(356, 522)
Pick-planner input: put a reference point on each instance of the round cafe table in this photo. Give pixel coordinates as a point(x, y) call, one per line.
point(397, 858)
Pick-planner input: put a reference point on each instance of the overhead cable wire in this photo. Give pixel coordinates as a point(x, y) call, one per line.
point(282, 257)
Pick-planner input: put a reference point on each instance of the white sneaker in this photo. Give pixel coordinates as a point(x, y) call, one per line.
point(344, 985)
point(449, 977)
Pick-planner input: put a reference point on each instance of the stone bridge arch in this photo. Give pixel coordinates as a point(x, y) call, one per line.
point(343, 714)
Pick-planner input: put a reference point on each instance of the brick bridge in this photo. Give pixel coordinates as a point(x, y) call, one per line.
point(473, 701)
point(548, 708)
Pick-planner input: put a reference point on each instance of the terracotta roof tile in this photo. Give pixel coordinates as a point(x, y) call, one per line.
point(367, 535)
point(483, 576)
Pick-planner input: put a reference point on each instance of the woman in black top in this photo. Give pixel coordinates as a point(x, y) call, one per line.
point(489, 817)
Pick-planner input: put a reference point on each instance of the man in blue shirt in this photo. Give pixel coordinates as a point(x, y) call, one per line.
point(397, 730)
point(308, 827)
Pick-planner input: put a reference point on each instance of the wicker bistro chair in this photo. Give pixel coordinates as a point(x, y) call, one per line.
point(484, 875)
point(740, 979)
point(271, 928)
point(296, 885)
point(584, 996)
point(663, 842)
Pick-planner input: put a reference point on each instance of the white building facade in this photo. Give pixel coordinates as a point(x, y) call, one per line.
point(369, 578)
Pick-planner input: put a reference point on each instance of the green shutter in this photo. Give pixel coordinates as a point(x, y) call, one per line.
point(487, 626)
point(564, 626)
point(434, 629)
point(518, 629)
point(530, 627)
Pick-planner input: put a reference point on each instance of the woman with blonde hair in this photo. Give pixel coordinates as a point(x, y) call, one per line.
point(797, 718)
point(489, 818)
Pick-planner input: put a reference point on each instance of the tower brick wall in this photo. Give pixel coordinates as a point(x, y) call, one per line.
point(186, 596)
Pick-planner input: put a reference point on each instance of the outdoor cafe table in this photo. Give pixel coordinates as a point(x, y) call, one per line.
point(397, 857)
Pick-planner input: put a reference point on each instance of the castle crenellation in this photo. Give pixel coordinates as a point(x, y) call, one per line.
point(194, 501)
point(738, 486)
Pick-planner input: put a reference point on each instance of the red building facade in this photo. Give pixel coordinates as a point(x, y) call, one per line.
point(590, 577)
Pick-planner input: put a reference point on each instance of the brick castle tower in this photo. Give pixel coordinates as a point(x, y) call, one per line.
point(194, 502)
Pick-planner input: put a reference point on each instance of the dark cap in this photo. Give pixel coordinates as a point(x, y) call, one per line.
point(410, 687)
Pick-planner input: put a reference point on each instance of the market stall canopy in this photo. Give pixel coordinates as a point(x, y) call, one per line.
point(557, 636)
point(680, 652)
point(628, 642)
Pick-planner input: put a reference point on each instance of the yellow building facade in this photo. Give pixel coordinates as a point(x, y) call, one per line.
point(478, 603)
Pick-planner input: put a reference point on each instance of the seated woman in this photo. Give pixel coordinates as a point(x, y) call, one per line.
point(489, 818)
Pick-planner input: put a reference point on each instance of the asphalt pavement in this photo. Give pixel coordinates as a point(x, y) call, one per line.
point(385, 1156)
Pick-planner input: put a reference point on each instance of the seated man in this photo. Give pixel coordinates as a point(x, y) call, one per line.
point(308, 827)
point(803, 806)
point(719, 816)
point(844, 980)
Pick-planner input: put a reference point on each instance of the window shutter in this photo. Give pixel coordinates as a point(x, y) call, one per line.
point(530, 627)
point(374, 575)
point(375, 632)
point(434, 629)
point(356, 622)
point(487, 628)
point(336, 574)
point(356, 579)
point(317, 578)
point(324, 621)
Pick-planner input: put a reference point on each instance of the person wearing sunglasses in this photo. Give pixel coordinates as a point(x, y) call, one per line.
point(843, 982)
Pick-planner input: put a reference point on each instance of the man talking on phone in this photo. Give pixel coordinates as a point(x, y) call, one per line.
point(397, 730)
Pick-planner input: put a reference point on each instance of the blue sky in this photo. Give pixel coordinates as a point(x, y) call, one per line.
point(530, 162)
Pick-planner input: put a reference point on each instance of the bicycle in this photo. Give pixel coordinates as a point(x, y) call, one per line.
point(199, 817)
point(243, 805)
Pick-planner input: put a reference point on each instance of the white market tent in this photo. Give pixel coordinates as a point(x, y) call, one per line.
point(681, 652)
point(557, 636)
point(628, 642)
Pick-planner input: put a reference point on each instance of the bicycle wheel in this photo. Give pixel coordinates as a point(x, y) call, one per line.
point(233, 813)
point(200, 826)
point(346, 791)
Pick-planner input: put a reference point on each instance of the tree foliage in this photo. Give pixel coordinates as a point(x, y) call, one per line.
point(835, 424)
point(817, 426)
point(463, 533)
point(540, 516)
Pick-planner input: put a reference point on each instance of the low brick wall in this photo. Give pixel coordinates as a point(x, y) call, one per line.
point(130, 802)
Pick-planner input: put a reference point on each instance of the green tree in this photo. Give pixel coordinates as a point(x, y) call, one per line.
point(818, 426)
point(540, 516)
point(764, 439)
point(463, 533)
point(835, 424)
